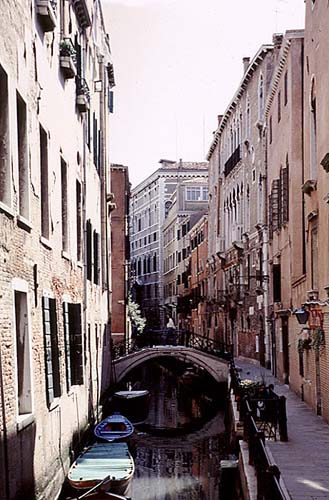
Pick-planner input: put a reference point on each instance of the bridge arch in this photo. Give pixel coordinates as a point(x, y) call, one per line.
point(216, 367)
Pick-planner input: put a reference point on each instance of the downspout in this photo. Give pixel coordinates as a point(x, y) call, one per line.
point(105, 244)
point(267, 341)
point(5, 465)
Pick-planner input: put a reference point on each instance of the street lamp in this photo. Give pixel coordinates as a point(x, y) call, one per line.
point(302, 315)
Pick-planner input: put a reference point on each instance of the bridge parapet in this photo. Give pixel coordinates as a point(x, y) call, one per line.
point(213, 357)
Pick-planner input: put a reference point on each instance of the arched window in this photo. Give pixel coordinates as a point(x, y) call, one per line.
point(248, 119)
point(260, 98)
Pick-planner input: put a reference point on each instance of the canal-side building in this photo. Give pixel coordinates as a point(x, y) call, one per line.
point(237, 277)
point(198, 279)
point(118, 203)
point(286, 249)
point(309, 375)
point(188, 204)
point(55, 77)
point(149, 204)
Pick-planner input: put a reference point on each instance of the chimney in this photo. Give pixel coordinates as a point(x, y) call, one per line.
point(246, 61)
point(277, 41)
point(219, 118)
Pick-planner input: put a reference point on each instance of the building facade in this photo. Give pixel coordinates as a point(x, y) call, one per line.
point(119, 200)
point(150, 202)
point(237, 277)
point(286, 249)
point(188, 203)
point(53, 231)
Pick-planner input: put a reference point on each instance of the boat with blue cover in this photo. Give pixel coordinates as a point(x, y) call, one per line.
point(115, 427)
point(106, 467)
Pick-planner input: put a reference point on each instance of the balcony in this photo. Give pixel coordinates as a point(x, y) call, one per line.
point(67, 58)
point(46, 11)
point(82, 95)
point(232, 161)
point(82, 13)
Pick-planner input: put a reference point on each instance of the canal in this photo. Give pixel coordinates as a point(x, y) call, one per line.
point(179, 447)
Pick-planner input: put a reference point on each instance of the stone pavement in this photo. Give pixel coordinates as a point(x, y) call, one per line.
point(304, 459)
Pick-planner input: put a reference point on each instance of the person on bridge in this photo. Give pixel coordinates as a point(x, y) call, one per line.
point(171, 331)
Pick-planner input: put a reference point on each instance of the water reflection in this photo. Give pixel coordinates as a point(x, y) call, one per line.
point(177, 453)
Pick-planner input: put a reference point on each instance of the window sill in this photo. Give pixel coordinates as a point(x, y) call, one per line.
point(6, 210)
point(80, 264)
point(54, 404)
point(66, 255)
point(46, 242)
point(24, 223)
point(24, 421)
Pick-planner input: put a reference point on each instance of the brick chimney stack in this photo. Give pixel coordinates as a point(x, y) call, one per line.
point(246, 61)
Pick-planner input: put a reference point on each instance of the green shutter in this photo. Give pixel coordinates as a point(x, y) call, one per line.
point(67, 344)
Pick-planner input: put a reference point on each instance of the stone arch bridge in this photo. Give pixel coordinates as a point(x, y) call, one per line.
point(214, 357)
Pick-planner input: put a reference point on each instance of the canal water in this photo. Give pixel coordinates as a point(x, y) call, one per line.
point(178, 449)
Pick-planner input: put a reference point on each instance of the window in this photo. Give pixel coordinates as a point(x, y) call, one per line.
point(5, 171)
point(73, 344)
point(313, 134)
point(79, 220)
point(285, 87)
point(196, 193)
point(270, 130)
point(96, 257)
point(65, 225)
point(154, 262)
point(247, 120)
point(314, 258)
point(44, 183)
point(23, 354)
point(23, 164)
point(52, 369)
point(89, 249)
point(279, 106)
point(260, 98)
point(276, 274)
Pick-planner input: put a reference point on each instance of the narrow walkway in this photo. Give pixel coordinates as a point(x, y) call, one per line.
point(304, 459)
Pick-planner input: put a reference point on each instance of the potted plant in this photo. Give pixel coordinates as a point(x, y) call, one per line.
point(67, 57)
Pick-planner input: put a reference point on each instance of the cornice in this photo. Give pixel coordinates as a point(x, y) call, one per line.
point(258, 58)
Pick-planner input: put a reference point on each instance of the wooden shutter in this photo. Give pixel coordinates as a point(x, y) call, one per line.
point(284, 186)
point(48, 349)
point(96, 257)
point(275, 204)
point(89, 249)
point(270, 217)
point(76, 343)
point(67, 345)
point(51, 348)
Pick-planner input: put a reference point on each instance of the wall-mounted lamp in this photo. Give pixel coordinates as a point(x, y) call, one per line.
point(98, 85)
point(302, 316)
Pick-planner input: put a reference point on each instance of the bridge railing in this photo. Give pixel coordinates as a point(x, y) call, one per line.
point(166, 337)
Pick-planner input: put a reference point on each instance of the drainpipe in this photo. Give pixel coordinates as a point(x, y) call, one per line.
point(104, 173)
point(265, 249)
point(5, 465)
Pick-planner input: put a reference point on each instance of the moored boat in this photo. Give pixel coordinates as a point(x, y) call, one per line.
point(115, 427)
point(107, 465)
point(133, 404)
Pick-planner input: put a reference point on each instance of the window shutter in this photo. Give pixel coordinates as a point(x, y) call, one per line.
point(89, 249)
point(270, 216)
point(275, 203)
point(67, 345)
point(284, 178)
point(76, 343)
point(48, 349)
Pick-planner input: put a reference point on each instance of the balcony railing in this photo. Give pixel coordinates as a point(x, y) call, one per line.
point(232, 161)
point(68, 58)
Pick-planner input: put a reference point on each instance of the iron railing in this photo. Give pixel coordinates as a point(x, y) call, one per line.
point(261, 417)
point(153, 338)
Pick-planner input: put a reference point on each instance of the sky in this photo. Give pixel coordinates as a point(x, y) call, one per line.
point(177, 65)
